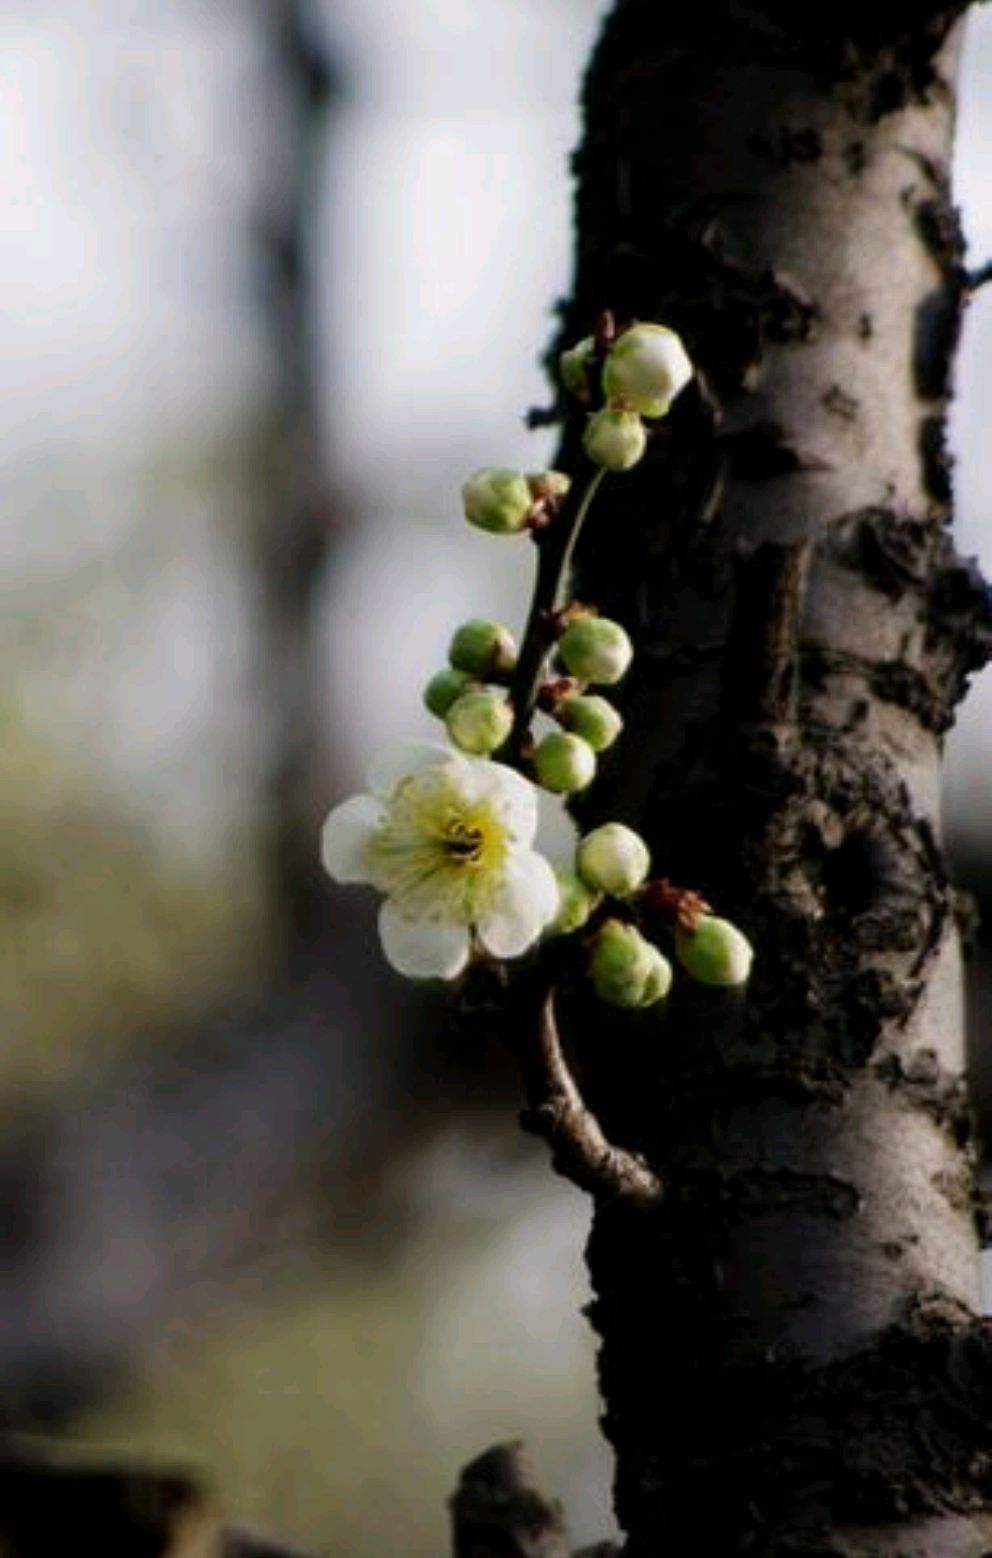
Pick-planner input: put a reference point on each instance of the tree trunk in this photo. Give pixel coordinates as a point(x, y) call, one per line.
point(791, 1357)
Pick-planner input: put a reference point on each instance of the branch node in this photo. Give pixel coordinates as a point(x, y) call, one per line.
point(557, 1112)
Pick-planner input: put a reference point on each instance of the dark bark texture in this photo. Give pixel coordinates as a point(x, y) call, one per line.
point(791, 1358)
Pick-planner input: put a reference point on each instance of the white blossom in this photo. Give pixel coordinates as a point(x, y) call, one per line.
point(447, 840)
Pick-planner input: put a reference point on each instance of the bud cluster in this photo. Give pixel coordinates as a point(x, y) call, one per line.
point(491, 689)
point(624, 965)
point(639, 374)
point(477, 717)
point(508, 502)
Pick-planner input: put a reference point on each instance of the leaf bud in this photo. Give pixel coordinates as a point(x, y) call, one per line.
point(613, 859)
point(645, 369)
point(497, 500)
point(443, 688)
point(625, 969)
point(574, 365)
point(595, 649)
point(714, 952)
point(564, 763)
point(614, 439)
point(479, 722)
point(576, 903)
point(591, 717)
point(548, 484)
point(483, 649)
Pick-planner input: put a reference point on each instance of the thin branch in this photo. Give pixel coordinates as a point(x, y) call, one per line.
point(557, 1112)
point(556, 546)
point(980, 277)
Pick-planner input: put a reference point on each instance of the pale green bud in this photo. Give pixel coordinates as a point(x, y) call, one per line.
point(614, 439)
point(564, 763)
point(645, 369)
point(479, 722)
point(548, 484)
point(483, 649)
point(613, 859)
point(576, 903)
point(497, 500)
point(595, 649)
point(715, 952)
point(593, 718)
point(574, 365)
point(625, 969)
point(443, 688)
point(659, 979)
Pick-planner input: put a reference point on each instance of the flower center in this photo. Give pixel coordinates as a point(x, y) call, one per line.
point(463, 842)
point(439, 854)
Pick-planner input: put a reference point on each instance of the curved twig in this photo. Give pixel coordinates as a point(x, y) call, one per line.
point(557, 1112)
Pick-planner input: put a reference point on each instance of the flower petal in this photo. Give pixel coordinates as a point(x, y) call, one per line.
point(422, 949)
point(528, 899)
point(513, 797)
point(345, 837)
point(406, 758)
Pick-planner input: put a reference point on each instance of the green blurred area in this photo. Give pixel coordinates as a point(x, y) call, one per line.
point(336, 1405)
point(103, 937)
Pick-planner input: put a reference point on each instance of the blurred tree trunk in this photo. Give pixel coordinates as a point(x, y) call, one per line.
point(296, 511)
point(791, 1357)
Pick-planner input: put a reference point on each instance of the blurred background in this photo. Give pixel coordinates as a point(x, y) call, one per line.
point(274, 276)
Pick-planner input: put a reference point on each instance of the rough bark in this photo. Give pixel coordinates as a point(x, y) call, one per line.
point(791, 1357)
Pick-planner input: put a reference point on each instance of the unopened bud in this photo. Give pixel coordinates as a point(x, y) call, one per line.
point(497, 500)
point(564, 763)
point(645, 369)
point(574, 365)
point(614, 439)
point(714, 952)
point(613, 859)
point(596, 649)
point(576, 903)
point(625, 969)
point(483, 649)
point(443, 688)
point(479, 722)
point(593, 718)
point(548, 484)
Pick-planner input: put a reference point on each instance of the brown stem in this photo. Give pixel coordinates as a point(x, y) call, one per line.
point(556, 546)
point(557, 1112)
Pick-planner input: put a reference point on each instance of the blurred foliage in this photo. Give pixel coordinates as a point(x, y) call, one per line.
point(102, 938)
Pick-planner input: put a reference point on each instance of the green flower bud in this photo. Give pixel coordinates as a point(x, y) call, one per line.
point(564, 763)
point(715, 952)
point(497, 500)
point(645, 369)
point(659, 979)
point(483, 649)
point(595, 649)
point(574, 365)
point(625, 969)
point(613, 859)
point(593, 718)
point(479, 722)
point(614, 439)
point(443, 688)
point(576, 903)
